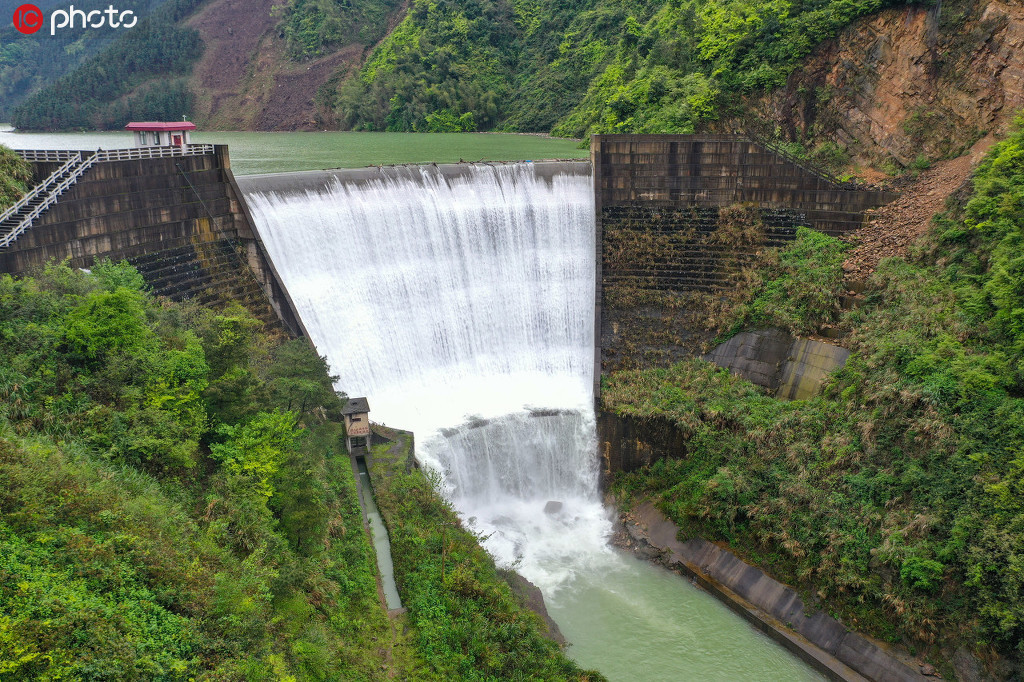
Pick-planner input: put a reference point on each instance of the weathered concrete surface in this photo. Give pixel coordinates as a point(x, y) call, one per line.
point(678, 214)
point(756, 356)
point(792, 368)
point(807, 367)
point(180, 220)
point(627, 443)
point(773, 607)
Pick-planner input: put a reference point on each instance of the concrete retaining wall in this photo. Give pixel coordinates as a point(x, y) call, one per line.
point(773, 607)
point(628, 443)
point(180, 220)
point(659, 202)
point(792, 368)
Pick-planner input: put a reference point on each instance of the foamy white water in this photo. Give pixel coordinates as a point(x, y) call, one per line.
point(463, 308)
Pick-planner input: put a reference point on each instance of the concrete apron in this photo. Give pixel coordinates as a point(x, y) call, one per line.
point(775, 609)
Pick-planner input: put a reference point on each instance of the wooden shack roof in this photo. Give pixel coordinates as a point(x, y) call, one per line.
point(355, 406)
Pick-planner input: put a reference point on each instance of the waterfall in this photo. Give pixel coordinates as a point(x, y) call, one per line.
point(461, 302)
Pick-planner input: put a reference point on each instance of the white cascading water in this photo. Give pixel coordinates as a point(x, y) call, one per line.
point(462, 306)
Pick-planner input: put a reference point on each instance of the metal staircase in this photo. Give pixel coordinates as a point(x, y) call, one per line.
point(18, 218)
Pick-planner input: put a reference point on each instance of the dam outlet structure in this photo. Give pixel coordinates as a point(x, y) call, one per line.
point(460, 299)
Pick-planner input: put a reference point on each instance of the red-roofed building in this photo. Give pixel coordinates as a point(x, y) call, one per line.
point(161, 133)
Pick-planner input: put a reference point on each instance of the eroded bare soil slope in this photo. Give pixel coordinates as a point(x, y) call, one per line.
point(907, 83)
point(244, 80)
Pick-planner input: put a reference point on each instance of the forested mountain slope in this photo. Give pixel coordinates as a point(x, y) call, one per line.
point(578, 68)
point(265, 60)
point(224, 63)
point(138, 76)
point(30, 62)
point(863, 80)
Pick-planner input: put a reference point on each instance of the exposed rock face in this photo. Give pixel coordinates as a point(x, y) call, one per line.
point(534, 600)
point(907, 82)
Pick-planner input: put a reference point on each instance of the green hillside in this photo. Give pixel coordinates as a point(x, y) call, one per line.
point(149, 61)
point(29, 63)
point(917, 442)
point(456, 65)
point(177, 504)
point(582, 67)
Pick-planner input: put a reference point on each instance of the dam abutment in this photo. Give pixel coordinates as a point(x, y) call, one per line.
point(177, 216)
point(660, 203)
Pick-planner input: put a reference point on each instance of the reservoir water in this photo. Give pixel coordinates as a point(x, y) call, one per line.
point(279, 152)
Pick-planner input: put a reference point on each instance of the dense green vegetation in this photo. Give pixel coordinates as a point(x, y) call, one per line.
point(30, 62)
point(469, 624)
point(314, 27)
point(14, 176)
point(461, 65)
point(796, 288)
point(896, 496)
point(175, 503)
point(155, 52)
point(583, 67)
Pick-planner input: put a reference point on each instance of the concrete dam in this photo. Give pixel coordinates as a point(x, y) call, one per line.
point(462, 298)
point(467, 301)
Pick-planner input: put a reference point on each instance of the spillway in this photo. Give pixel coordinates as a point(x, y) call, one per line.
point(460, 299)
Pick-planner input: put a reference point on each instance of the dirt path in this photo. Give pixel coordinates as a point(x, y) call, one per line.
point(894, 227)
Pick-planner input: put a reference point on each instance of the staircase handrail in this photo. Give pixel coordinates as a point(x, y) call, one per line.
point(44, 186)
point(805, 165)
point(124, 154)
point(46, 155)
point(131, 153)
point(73, 158)
point(51, 199)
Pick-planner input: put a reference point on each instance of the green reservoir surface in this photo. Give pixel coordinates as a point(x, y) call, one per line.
point(280, 152)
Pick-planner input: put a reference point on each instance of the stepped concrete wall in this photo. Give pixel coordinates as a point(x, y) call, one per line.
point(180, 220)
point(661, 202)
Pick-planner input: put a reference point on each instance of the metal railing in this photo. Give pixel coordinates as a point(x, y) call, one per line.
point(51, 198)
point(126, 154)
point(45, 155)
point(131, 153)
point(54, 186)
point(42, 187)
